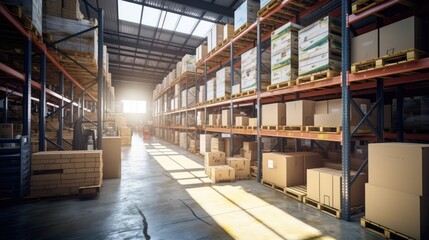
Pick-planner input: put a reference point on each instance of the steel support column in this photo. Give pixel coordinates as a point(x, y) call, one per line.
point(400, 113)
point(100, 80)
point(60, 111)
point(186, 112)
point(345, 90)
point(26, 92)
point(380, 110)
point(258, 104)
point(231, 104)
point(42, 103)
point(5, 106)
point(71, 104)
point(205, 97)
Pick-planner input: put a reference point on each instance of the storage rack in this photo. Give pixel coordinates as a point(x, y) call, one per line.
point(373, 82)
point(17, 30)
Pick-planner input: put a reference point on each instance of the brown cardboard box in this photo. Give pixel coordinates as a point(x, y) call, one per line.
point(214, 159)
point(111, 157)
point(215, 119)
point(6, 130)
point(300, 113)
point(310, 160)
point(222, 173)
point(217, 144)
point(226, 117)
point(253, 122)
point(250, 154)
point(364, 47)
point(327, 182)
point(334, 115)
point(402, 212)
point(228, 31)
point(282, 169)
point(274, 114)
point(242, 121)
point(328, 119)
point(321, 107)
point(241, 166)
point(400, 166)
point(402, 35)
point(205, 143)
point(250, 145)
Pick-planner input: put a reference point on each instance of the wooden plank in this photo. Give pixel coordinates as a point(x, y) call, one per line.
point(319, 76)
point(382, 230)
point(281, 85)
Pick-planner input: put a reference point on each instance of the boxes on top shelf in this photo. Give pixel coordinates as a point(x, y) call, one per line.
point(69, 9)
point(403, 35)
point(364, 47)
point(214, 36)
point(211, 89)
point(249, 70)
point(223, 81)
point(320, 46)
point(236, 89)
point(284, 53)
point(32, 9)
point(245, 13)
point(228, 31)
point(178, 69)
point(188, 63)
point(201, 52)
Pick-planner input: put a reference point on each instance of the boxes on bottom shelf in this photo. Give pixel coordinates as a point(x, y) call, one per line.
point(241, 166)
point(401, 212)
point(324, 186)
point(222, 173)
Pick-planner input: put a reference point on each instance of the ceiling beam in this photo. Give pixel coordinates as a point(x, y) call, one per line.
point(113, 47)
point(138, 57)
point(113, 62)
point(209, 7)
point(141, 46)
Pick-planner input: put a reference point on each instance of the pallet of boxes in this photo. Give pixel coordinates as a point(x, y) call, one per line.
point(225, 169)
point(66, 173)
point(126, 136)
point(397, 193)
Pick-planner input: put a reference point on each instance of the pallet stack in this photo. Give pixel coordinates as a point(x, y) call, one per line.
point(397, 193)
point(62, 173)
point(249, 70)
point(126, 136)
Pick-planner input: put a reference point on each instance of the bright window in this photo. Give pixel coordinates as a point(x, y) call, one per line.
point(129, 11)
point(150, 16)
point(134, 106)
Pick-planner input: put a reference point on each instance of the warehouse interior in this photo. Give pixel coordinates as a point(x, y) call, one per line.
point(214, 119)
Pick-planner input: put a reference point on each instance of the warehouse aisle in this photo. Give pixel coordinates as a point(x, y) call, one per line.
point(165, 194)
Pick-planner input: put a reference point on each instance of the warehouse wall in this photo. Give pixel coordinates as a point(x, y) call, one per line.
point(130, 91)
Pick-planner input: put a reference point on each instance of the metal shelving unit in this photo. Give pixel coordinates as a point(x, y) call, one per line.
point(374, 82)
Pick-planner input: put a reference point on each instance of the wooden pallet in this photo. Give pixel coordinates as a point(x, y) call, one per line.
point(254, 172)
point(224, 180)
point(251, 127)
point(267, 8)
point(274, 128)
point(282, 85)
point(210, 126)
point(336, 213)
point(324, 129)
point(239, 127)
point(362, 5)
point(221, 99)
point(391, 59)
point(241, 29)
point(296, 192)
point(273, 186)
point(88, 191)
point(244, 94)
point(225, 41)
point(223, 126)
point(319, 76)
point(294, 128)
point(382, 230)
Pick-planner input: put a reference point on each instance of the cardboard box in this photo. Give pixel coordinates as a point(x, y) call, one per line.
point(112, 157)
point(252, 155)
point(201, 53)
point(183, 140)
point(241, 121)
point(250, 145)
point(211, 89)
point(403, 35)
point(273, 114)
point(228, 31)
point(321, 107)
point(6, 130)
point(215, 119)
point(364, 47)
point(249, 70)
point(214, 159)
point(402, 212)
point(324, 186)
point(300, 113)
point(222, 173)
point(241, 166)
point(214, 37)
point(282, 169)
point(226, 117)
point(217, 144)
point(205, 142)
point(245, 13)
point(236, 89)
point(400, 166)
point(253, 122)
point(310, 160)
point(334, 115)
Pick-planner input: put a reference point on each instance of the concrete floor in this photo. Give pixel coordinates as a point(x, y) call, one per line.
point(167, 187)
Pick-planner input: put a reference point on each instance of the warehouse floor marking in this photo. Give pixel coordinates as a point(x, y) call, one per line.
point(241, 214)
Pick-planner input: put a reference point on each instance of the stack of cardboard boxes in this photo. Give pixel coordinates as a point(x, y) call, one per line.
point(249, 70)
point(211, 89)
point(284, 53)
point(58, 173)
point(126, 136)
point(201, 52)
point(320, 46)
point(245, 13)
point(397, 194)
point(223, 81)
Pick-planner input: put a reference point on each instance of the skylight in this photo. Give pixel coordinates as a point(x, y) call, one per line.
point(165, 20)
